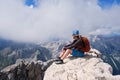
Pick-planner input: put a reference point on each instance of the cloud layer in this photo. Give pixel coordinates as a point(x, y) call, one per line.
point(55, 18)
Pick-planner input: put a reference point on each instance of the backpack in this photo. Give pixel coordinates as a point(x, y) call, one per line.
point(86, 43)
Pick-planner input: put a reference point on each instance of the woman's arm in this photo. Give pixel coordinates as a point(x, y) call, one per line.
point(75, 43)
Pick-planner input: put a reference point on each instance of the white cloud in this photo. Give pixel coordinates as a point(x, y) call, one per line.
point(54, 18)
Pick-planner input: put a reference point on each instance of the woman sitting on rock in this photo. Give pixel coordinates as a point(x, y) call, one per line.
point(77, 48)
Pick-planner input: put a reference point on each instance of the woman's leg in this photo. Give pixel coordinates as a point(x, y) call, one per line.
point(62, 53)
point(65, 54)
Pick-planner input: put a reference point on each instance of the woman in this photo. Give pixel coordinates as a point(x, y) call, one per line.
point(75, 48)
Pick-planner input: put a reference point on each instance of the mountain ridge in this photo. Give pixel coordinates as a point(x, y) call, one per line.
point(88, 67)
point(108, 46)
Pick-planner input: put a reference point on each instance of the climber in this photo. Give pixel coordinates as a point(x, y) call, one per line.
point(77, 48)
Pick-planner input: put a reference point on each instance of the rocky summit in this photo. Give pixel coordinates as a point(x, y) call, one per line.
point(89, 67)
point(86, 68)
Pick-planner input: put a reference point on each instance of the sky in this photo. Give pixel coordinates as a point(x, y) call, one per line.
point(41, 20)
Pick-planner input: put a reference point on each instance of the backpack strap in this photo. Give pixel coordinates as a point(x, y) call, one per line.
point(83, 44)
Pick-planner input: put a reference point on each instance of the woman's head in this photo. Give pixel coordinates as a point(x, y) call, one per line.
point(75, 34)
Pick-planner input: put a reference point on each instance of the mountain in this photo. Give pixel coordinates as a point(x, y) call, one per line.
point(110, 49)
point(87, 68)
point(10, 51)
point(55, 47)
point(25, 70)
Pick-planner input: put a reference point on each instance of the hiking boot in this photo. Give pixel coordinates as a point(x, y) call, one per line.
point(59, 62)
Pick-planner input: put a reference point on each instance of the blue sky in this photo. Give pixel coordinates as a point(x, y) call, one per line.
point(104, 4)
point(31, 2)
point(108, 3)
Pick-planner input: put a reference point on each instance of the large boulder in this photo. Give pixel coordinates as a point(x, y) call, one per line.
point(86, 68)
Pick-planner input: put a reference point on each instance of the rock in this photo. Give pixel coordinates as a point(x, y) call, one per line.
point(3, 76)
point(94, 52)
point(34, 71)
point(47, 64)
point(86, 68)
point(25, 70)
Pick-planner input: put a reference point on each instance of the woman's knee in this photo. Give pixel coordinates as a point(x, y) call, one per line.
point(63, 51)
point(69, 50)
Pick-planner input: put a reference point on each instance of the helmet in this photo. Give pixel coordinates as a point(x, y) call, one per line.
point(75, 32)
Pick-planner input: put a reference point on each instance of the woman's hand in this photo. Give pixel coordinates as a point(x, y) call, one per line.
point(63, 49)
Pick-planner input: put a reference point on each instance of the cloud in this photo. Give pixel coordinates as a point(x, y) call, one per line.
point(55, 18)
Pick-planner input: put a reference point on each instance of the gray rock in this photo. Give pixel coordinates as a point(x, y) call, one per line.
point(25, 70)
point(86, 68)
point(3, 76)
